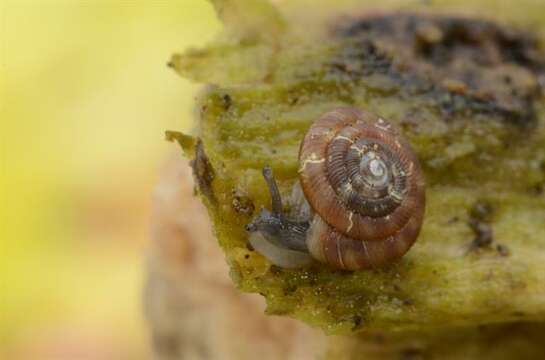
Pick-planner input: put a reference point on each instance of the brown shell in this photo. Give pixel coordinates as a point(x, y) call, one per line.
point(359, 225)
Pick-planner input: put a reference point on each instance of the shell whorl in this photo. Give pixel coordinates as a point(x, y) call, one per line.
point(364, 182)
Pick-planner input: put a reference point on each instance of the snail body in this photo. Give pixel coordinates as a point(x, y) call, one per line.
point(365, 188)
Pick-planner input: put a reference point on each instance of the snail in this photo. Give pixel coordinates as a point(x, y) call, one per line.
point(365, 189)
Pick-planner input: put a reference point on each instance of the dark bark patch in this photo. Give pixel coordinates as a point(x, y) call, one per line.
point(461, 65)
point(203, 172)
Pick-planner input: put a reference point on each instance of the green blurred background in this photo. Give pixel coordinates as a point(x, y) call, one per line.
point(86, 96)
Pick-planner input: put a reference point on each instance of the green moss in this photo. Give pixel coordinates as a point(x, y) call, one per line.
point(505, 341)
point(257, 113)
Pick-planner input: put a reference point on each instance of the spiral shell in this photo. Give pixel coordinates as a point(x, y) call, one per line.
point(366, 187)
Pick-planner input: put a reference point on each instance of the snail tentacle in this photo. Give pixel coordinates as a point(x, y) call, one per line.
point(276, 199)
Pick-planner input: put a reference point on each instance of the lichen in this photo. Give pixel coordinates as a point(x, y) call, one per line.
point(478, 143)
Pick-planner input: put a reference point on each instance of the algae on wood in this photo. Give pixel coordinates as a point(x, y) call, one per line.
point(477, 143)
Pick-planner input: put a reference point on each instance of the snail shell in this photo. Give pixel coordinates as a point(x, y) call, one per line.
point(365, 185)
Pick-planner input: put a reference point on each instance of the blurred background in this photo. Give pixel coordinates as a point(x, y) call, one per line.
point(85, 98)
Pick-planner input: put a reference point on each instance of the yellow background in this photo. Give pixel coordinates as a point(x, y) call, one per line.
point(85, 98)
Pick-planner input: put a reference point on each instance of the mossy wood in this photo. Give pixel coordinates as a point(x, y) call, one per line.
point(468, 95)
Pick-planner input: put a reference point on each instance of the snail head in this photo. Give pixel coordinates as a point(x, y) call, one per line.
point(274, 226)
